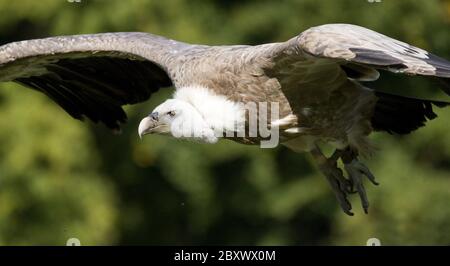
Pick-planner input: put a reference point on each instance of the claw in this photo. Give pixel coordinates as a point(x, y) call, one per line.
point(356, 170)
point(340, 185)
point(335, 176)
point(361, 167)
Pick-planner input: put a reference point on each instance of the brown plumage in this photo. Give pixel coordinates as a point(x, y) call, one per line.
point(314, 77)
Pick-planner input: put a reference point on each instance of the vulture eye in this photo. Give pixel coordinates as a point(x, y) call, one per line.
point(171, 113)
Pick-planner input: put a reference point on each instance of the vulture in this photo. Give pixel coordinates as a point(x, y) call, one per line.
point(313, 86)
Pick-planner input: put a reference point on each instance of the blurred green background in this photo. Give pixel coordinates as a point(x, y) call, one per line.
point(61, 178)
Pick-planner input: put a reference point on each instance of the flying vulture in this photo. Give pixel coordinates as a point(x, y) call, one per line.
point(314, 81)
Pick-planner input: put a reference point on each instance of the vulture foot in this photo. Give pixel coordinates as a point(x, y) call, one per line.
point(335, 177)
point(356, 172)
point(341, 185)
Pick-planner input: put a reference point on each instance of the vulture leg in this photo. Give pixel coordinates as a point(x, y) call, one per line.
point(356, 172)
point(339, 184)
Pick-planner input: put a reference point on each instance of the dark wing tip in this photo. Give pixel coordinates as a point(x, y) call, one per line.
point(402, 115)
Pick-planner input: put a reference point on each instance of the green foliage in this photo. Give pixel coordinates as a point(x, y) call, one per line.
point(50, 186)
point(60, 178)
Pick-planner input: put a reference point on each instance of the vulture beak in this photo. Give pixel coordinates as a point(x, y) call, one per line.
point(150, 124)
point(145, 126)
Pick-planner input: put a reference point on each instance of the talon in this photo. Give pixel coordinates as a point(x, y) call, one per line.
point(335, 177)
point(366, 171)
point(340, 185)
point(355, 171)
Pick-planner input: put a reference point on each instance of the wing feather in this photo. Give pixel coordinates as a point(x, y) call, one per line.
point(315, 69)
point(356, 44)
point(92, 75)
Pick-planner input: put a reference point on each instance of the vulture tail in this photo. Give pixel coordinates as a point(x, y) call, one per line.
point(401, 115)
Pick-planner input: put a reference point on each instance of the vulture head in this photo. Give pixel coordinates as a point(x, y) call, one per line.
point(179, 119)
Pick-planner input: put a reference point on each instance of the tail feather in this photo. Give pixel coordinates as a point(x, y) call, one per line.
point(401, 115)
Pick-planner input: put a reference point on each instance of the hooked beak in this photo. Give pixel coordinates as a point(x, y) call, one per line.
point(145, 126)
point(150, 124)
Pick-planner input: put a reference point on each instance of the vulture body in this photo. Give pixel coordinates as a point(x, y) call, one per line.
point(314, 78)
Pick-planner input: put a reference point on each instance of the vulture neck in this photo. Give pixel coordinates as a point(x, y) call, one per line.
point(219, 113)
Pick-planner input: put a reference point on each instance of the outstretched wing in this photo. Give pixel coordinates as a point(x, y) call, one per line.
point(315, 68)
point(91, 75)
point(357, 45)
point(358, 51)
